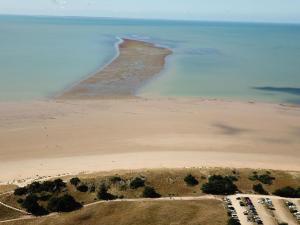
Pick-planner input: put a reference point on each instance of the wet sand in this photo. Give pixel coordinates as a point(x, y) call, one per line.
point(136, 63)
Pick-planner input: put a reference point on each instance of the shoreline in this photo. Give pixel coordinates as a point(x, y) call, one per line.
point(135, 63)
point(69, 137)
point(99, 124)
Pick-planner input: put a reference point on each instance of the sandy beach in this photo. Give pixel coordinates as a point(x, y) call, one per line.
point(54, 137)
point(100, 125)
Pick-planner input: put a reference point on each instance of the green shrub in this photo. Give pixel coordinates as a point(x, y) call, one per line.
point(75, 181)
point(137, 182)
point(65, 203)
point(191, 180)
point(21, 191)
point(46, 186)
point(31, 205)
point(288, 192)
point(258, 188)
point(149, 192)
point(219, 185)
point(104, 195)
point(82, 188)
point(264, 178)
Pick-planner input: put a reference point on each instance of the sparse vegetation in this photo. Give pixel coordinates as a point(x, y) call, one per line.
point(288, 192)
point(149, 192)
point(219, 185)
point(115, 179)
point(191, 180)
point(258, 188)
point(165, 182)
point(265, 178)
point(137, 183)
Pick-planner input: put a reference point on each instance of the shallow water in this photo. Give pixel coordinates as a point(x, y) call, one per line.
point(41, 56)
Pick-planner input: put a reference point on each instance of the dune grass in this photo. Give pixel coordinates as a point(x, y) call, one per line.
point(204, 212)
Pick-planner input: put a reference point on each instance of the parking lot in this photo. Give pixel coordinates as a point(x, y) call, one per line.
point(259, 209)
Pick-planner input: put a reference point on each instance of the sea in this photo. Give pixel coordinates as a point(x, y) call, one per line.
point(41, 56)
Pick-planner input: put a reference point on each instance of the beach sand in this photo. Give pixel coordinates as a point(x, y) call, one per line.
point(100, 125)
point(53, 137)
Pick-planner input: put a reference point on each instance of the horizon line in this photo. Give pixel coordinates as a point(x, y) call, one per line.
point(153, 19)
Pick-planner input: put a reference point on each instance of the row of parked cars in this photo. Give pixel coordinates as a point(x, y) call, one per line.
point(231, 210)
point(250, 212)
point(267, 202)
point(293, 209)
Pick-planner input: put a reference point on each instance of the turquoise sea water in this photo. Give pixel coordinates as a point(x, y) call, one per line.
point(40, 56)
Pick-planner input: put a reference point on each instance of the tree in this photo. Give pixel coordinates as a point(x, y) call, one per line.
point(104, 195)
point(31, 205)
point(258, 188)
point(219, 185)
point(137, 182)
point(82, 188)
point(66, 203)
point(149, 192)
point(288, 192)
point(75, 181)
point(20, 191)
point(191, 180)
point(46, 186)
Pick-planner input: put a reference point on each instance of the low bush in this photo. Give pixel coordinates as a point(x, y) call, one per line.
point(75, 181)
point(115, 179)
point(264, 178)
point(82, 188)
point(137, 182)
point(149, 192)
point(46, 186)
point(21, 191)
point(191, 180)
point(258, 188)
point(104, 195)
point(288, 192)
point(219, 185)
point(31, 205)
point(65, 203)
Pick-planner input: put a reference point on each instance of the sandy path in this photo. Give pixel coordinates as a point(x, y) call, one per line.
point(51, 138)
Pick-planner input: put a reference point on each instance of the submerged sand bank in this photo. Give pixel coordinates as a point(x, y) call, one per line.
point(55, 137)
point(137, 62)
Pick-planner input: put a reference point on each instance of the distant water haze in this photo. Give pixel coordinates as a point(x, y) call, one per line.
point(41, 56)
